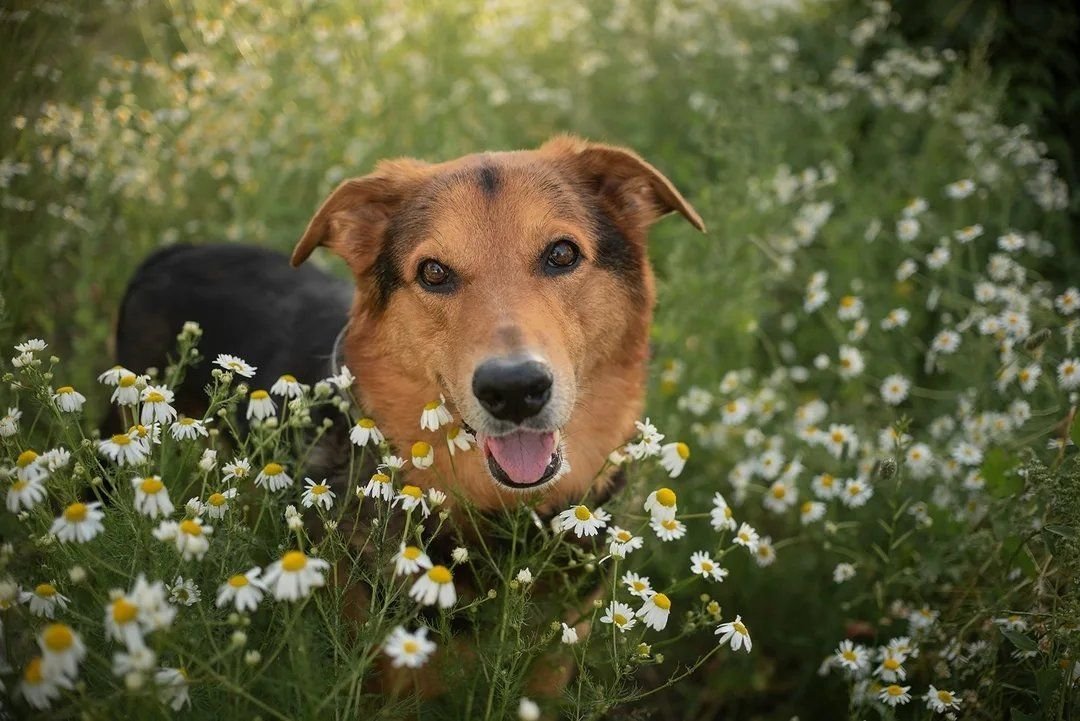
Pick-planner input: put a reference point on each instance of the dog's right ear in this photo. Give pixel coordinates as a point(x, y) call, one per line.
point(353, 219)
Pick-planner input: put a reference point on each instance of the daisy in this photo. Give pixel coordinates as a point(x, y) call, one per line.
point(1068, 373)
point(619, 614)
point(850, 308)
point(172, 687)
point(582, 521)
point(968, 233)
point(673, 457)
point(734, 633)
point(459, 439)
point(765, 554)
point(825, 486)
point(435, 415)
point(287, 386)
point(894, 389)
point(856, 493)
point(44, 600)
point(260, 405)
point(895, 695)
point(843, 572)
point(655, 611)
point(661, 504)
point(569, 635)
point(781, 496)
point(852, 657)
point(274, 477)
point(946, 342)
point(31, 345)
point(68, 399)
point(967, 454)
point(669, 529)
point(960, 189)
point(112, 376)
point(702, 564)
point(939, 700)
point(907, 229)
point(1029, 377)
point(61, 651)
point(343, 380)
point(722, 517)
point(409, 560)
point(135, 661)
point(423, 455)
point(243, 590)
point(891, 668)
point(391, 464)
point(184, 591)
point(850, 362)
point(188, 429)
point(639, 586)
point(29, 466)
point(317, 494)
point(190, 537)
point(1067, 303)
point(379, 486)
point(621, 543)
point(123, 450)
point(410, 650)
point(735, 412)
point(411, 497)
point(435, 586)
point(217, 503)
point(236, 365)
point(38, 689)
point(25, 494)
point(9, 423)
point(151, 497)
point(811, 512)
point(127, 391)
point(79, 523)
point(746, 537)
point(436, 497)
point(122, 622)
point(365, 431)
point(238, 469)
point(156, 406)
point(840, 438)
point(896, 318)
point(293, 577)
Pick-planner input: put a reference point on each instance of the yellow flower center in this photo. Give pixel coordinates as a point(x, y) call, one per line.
point(854, 489)
point(846, 362)
point(239, 580)
point(124, 611)
point(620, 620)
point(740, 628)
point(273, 469)
point(319, 489)
point(121, 439)
point(837, 436)
point(410, 647)
point(293, 561)
point(670, 524)
point(453, 433)
point(127, 381)
point(75, 513)
point(706, 566)
point(380, 478)
point(187, 421)
point(728, 513)
point(411, 552)
point(64, 390)
point(945, 696)
point(779, 491)
point(731, 406)
point(891, 664)
point(850, 656)
point(582, 513)
point(141, 430)
point(662, 602)
point(154, 397)
point(624, 536)
point(894, 690)
point(150, 486)
point(19, 485)
point(847, 301)
point(57, 637)
point(807, 507)
point(432, 406)
point(366, 423)
point(420, 449)
point(45, 590)
point(827, 480)
point(26, 458)
point(683, 450)
point(440, 574)
point(190, 527)
point(259, 395)
point(216, 499)
point(412, 492)
point(744, 536)
point(666, 497)
point(288, 378)
point(32, 674)
point(638, 586)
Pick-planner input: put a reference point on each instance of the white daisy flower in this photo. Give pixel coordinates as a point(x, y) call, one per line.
point(702, 564)
point(746, 537)
point(894, 389)
point(436, 497)
point(38, 689)
point(459, 439)
point(735, 634)
point(1028, 377)
point(945, 342)
point(907, 229)
point(273, 477)
point(968, 233)
point(843, 572)
point(850, 362)
point(811, 512)
point(156, 405)
point(669, 529)
point(721, 515)
point(735, 412)
point(639, 586)
point(79, 523)
point(391, 464)
point(1068, 302)
point(764, 554)
point(423, 455)
point(1068, 373)
point(243, 590)
point(410, 497)
point(967, 453)
point(287, 386)
point(661, 504)
point(673, 457)
point(569, 635)
point(208, 460)
point(379, 486)
point(621, 543)
point(25, 494)
point(260, 406)
point(409, 560)
point(343, 380)
point(151, 496)
point(128, 390)
point(825, 486)
point(939, 700)
point(850, 308)
point(295, 575)
point(44, 600)
point(852, 657)
point(190, 537)
point(840, 438)
point(781, 496)
point(68, 399)
point(365, 431)
point(895, 695)
point(409, 650)
point(655, 611)
point(238, 469)
point(9, 423)
point(112, 376)
point(960, 189)
point(122, 622)
point(435, 415)
point(583, 521)
point(31, 345)
point(172, 687)
point(123, 450)
point(188, 429)
point(856, 493)
point(217, 503)
point(184, 591)
point(436, 586)
point(317, 494)
point(896, 318)
point(619, 614)
point(891, 667)
point(236, 365)
point(62, 651)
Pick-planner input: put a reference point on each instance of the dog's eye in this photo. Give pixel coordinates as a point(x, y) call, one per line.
point(434, 275)
point(562, 255)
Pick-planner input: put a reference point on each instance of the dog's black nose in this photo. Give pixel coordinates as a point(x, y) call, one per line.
point(512, 389)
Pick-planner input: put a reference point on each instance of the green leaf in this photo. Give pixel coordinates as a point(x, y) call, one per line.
point(1062, 530)
point(1017, 715)
point(996, 469)
point(1021, 641)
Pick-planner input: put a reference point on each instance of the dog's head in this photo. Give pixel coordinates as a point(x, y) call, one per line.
point(517, 284)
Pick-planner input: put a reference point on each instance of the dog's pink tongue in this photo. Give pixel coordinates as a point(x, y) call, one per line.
point(523, 455)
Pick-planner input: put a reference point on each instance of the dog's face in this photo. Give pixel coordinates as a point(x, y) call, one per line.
point(517, 285)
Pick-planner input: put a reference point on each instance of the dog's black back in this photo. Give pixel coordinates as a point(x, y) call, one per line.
point(249, 302)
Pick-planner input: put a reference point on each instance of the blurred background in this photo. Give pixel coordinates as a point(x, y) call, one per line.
point(128, 126)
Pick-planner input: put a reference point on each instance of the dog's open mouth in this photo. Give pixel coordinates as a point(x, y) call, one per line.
point(523, 459)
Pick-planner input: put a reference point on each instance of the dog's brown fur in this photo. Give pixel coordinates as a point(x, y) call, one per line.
point(490, 217)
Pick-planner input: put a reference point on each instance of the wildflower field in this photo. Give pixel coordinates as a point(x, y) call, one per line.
point(856, 493)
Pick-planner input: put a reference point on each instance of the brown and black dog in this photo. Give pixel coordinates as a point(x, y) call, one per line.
point(515, 284)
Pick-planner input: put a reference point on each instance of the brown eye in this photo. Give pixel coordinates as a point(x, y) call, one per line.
point(562, 255)
point(434, 274)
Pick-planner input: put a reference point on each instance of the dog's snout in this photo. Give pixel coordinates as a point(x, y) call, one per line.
point(512, 389)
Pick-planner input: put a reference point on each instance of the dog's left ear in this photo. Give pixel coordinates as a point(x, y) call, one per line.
point(637, 191)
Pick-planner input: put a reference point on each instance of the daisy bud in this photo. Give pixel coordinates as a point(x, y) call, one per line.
point(252, 658)
point(886, 469)
point(597, 603)
point(644, 650)
point(1037, 339)
point(492, 594)
point(77, 574)
point(528, 710)
point(460, 555)
point(659, 658)
point(134, 680)
point(239, 638)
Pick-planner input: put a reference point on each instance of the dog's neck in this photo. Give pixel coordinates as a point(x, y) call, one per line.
point(609, 403)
